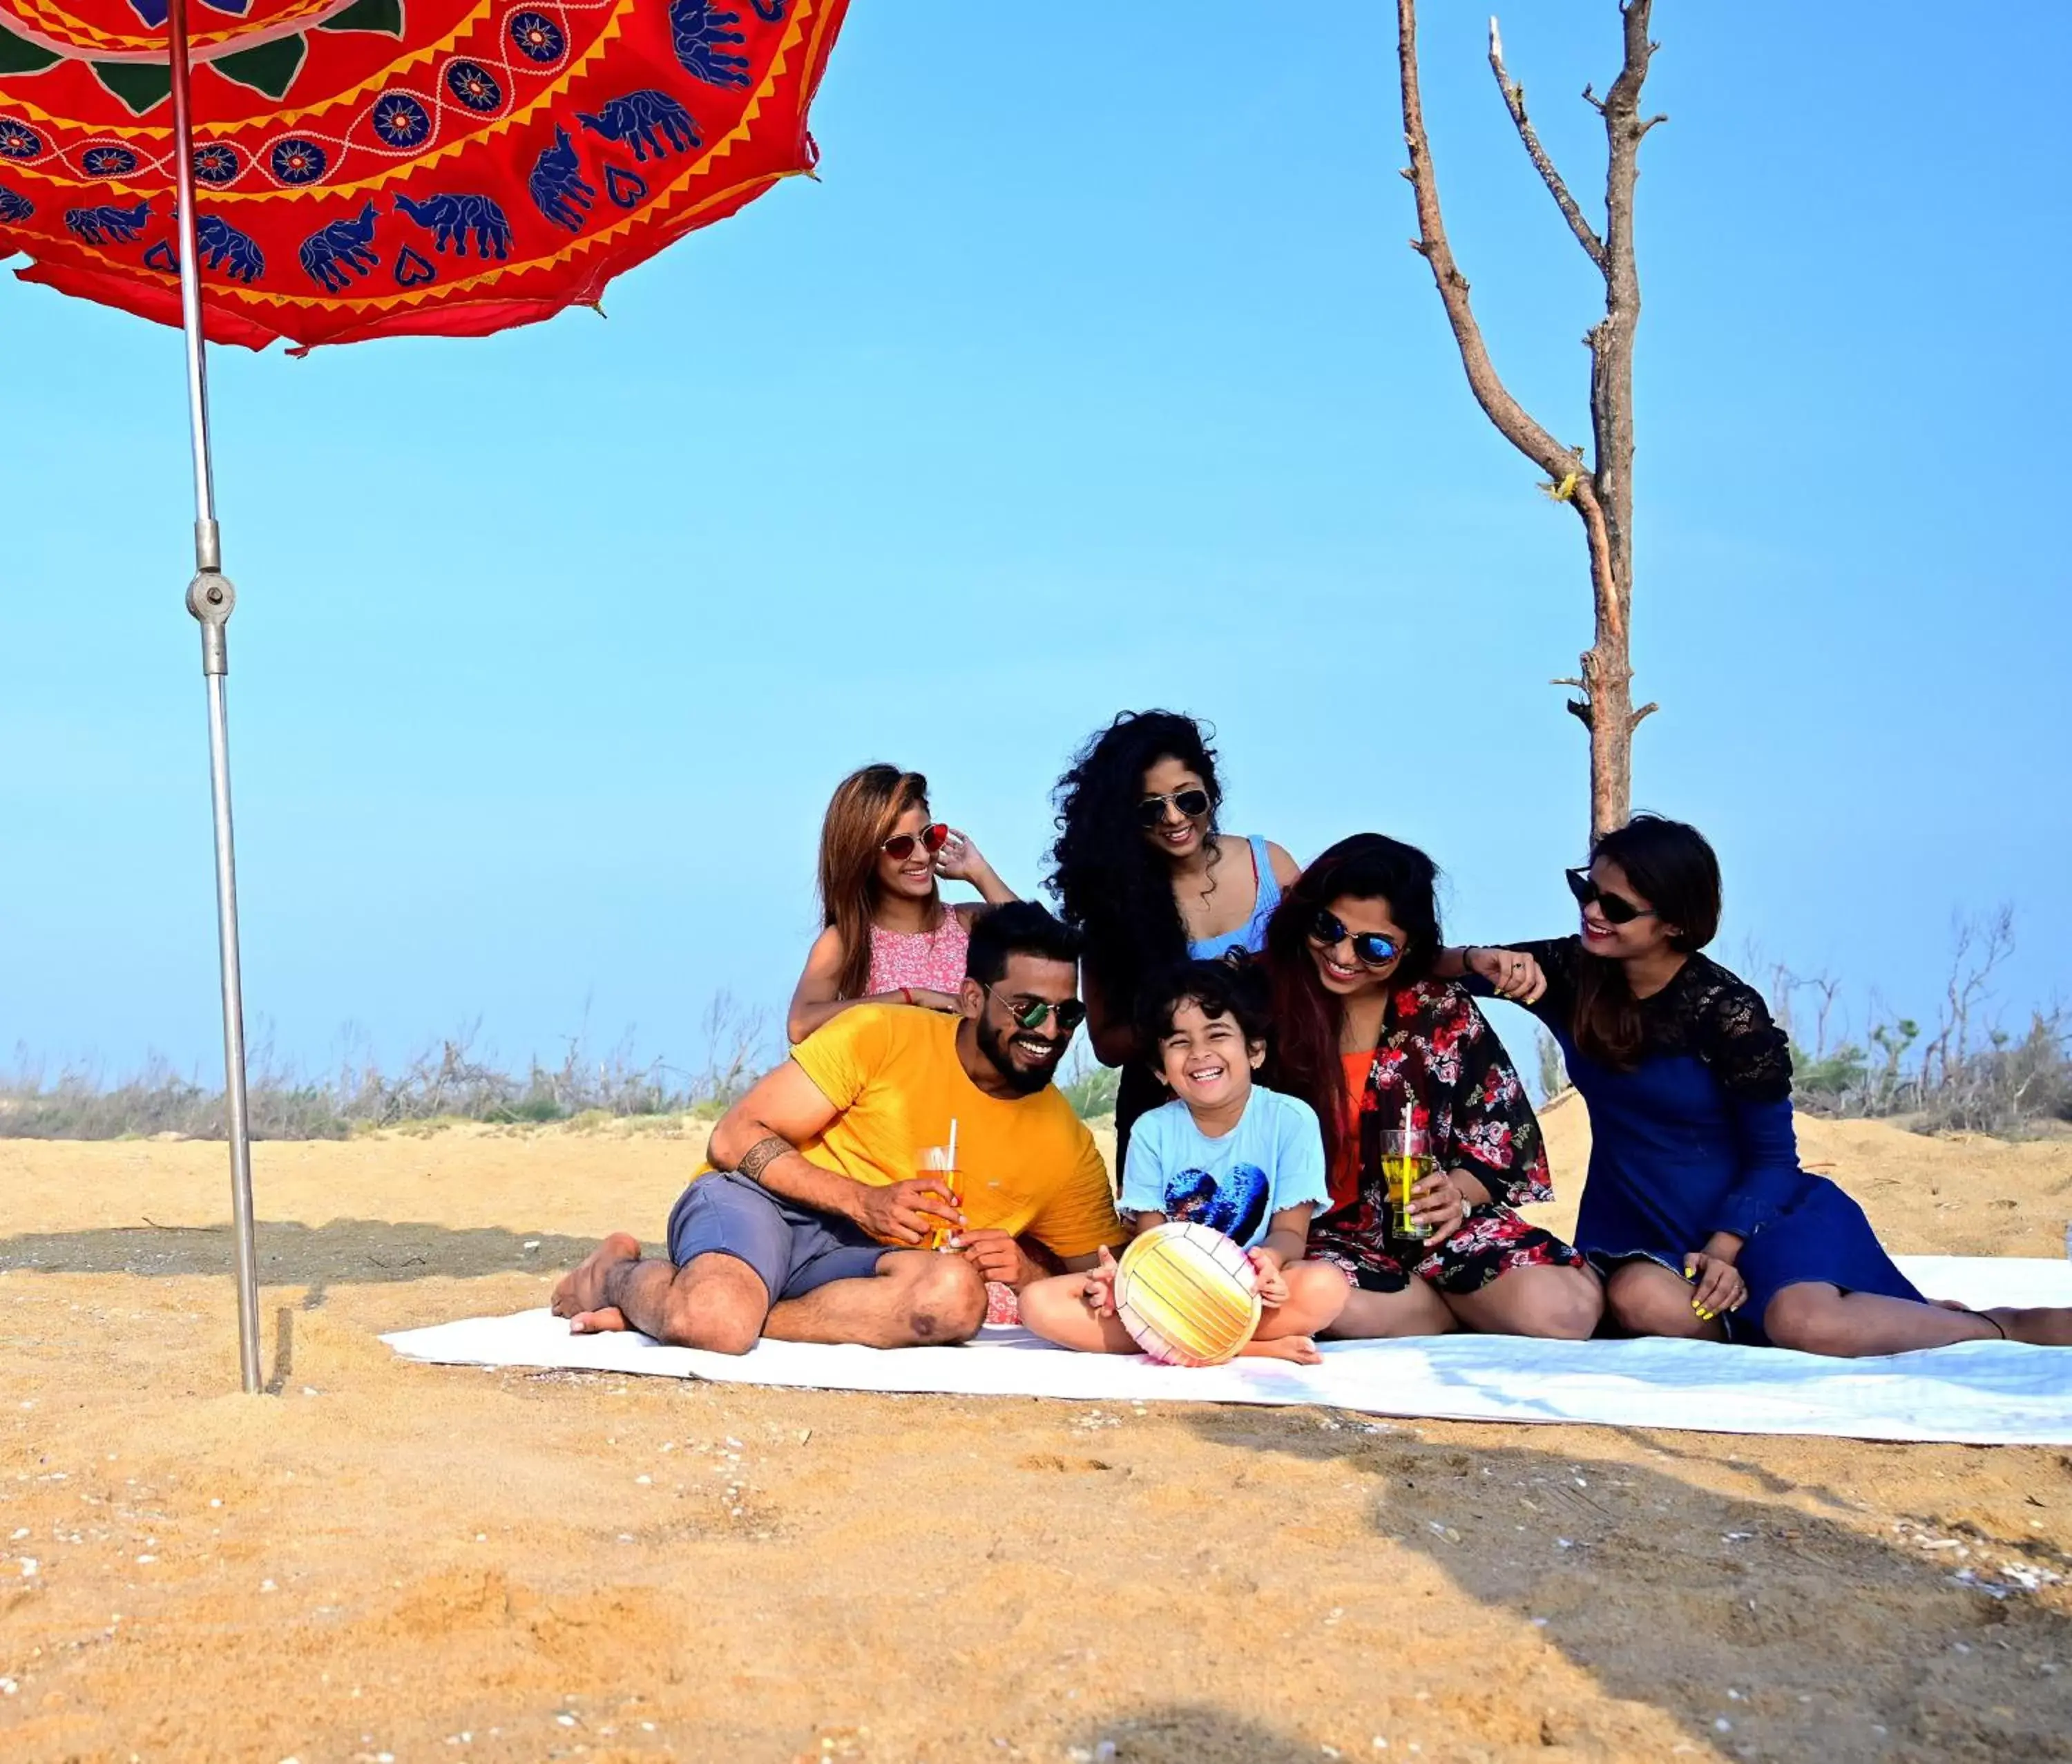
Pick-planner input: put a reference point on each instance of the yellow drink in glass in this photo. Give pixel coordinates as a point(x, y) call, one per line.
point(1406, 1160)
point(939, 1162)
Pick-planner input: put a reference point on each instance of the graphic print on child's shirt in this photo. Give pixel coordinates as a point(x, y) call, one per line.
point(1235, 1205)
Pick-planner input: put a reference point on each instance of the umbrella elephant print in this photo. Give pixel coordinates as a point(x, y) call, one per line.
point(368, 168)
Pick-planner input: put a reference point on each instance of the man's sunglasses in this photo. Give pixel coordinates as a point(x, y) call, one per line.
point(1193, 803)
point(1374, 950)
point(900, 846)
point(1616, 908)
point(1034, 1013)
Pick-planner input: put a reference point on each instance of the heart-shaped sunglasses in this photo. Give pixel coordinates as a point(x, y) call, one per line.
point(931, 840)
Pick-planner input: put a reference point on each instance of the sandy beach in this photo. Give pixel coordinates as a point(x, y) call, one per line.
point(392, 1561)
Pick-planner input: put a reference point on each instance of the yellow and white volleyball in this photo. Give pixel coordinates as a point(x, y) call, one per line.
point(1187, 1294)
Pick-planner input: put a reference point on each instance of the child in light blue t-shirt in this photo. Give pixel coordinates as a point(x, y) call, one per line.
point(1224, 1153)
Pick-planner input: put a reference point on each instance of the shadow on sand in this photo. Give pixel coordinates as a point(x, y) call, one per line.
point(346, 1251)
point(1805, 1636)
point(1190, 1733)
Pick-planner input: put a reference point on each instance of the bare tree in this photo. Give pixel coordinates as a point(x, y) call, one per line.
point(1981, 945)
point(1600, 488)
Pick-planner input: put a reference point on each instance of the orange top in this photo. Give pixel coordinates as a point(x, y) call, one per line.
point(1345, 1173)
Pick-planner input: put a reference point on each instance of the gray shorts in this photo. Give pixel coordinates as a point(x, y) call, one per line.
point(792, 1249)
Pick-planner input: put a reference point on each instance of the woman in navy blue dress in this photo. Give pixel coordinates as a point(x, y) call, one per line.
point(1696, 1209)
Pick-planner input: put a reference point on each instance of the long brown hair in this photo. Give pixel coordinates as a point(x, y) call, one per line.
point(864, 808)
point(1305, 1061)
point(1676, 871)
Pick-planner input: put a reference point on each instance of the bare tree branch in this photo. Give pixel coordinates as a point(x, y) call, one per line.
point(1612, 340)
point(1601, 490)
point(1514, 98)
point(1513, 421)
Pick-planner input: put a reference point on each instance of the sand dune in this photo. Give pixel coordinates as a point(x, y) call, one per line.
point(386, 1557)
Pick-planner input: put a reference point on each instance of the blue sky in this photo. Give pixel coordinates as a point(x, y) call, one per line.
point(1094, 373)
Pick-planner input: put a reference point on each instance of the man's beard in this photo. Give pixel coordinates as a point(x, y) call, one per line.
point(1025, 1081)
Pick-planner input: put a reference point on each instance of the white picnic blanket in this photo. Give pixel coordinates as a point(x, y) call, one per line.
point(1981, 1393)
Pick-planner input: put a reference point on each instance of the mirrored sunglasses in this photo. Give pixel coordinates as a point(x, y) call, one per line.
point(1193, 803)
point(1370, 948)
point(1034, 1013)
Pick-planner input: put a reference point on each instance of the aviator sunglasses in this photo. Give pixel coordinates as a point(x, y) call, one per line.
point(1373, 949)
point(1193, 803)
point(1617, 909)
point(900, 846)
point(1034, 1013)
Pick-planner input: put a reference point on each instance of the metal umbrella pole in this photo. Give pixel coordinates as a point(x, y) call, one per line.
point(211, 599)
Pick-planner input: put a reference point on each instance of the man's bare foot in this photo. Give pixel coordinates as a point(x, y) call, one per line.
point(581, 1291)
point(1299, 1349)
point(2044, 1325)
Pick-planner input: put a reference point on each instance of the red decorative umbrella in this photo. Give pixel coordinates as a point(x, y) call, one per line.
point(371, 167)
point(330, 171)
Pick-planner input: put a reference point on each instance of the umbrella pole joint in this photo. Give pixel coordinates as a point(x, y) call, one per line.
point(212, 599)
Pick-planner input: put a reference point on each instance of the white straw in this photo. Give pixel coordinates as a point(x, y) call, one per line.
point(953, 1142)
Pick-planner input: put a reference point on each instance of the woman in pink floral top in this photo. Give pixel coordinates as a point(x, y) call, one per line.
point(1364, 1034)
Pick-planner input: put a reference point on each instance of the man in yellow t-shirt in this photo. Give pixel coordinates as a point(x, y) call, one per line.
point(808, 1223)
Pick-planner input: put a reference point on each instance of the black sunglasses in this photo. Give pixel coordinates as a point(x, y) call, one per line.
point(1372, 948)
point(1616, 908)
point(1193, 803)
point(1034, 1013)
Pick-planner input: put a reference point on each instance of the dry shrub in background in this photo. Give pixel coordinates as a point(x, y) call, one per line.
point(450, 1081)
point(1965, 1072)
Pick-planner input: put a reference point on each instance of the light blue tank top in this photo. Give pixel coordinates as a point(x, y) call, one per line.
point(1251, 934)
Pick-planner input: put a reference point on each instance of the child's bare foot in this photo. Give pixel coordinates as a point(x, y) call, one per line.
point(602, 1321)
point(1299, 1349)
point(2041, 1327)
point(579, 1294)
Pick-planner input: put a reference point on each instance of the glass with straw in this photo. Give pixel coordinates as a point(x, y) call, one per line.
point(941, 1162)
point(1406, 1160)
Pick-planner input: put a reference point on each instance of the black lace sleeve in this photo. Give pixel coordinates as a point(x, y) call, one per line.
point(1732, 1032)
point(1559, 959)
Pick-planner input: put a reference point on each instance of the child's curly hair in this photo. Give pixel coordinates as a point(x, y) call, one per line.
point(1220, 989)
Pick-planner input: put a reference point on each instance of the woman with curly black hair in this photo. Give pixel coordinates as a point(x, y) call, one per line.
point(1145, 873)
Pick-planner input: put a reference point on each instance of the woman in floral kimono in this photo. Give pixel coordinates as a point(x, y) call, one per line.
point(1364, 1032)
